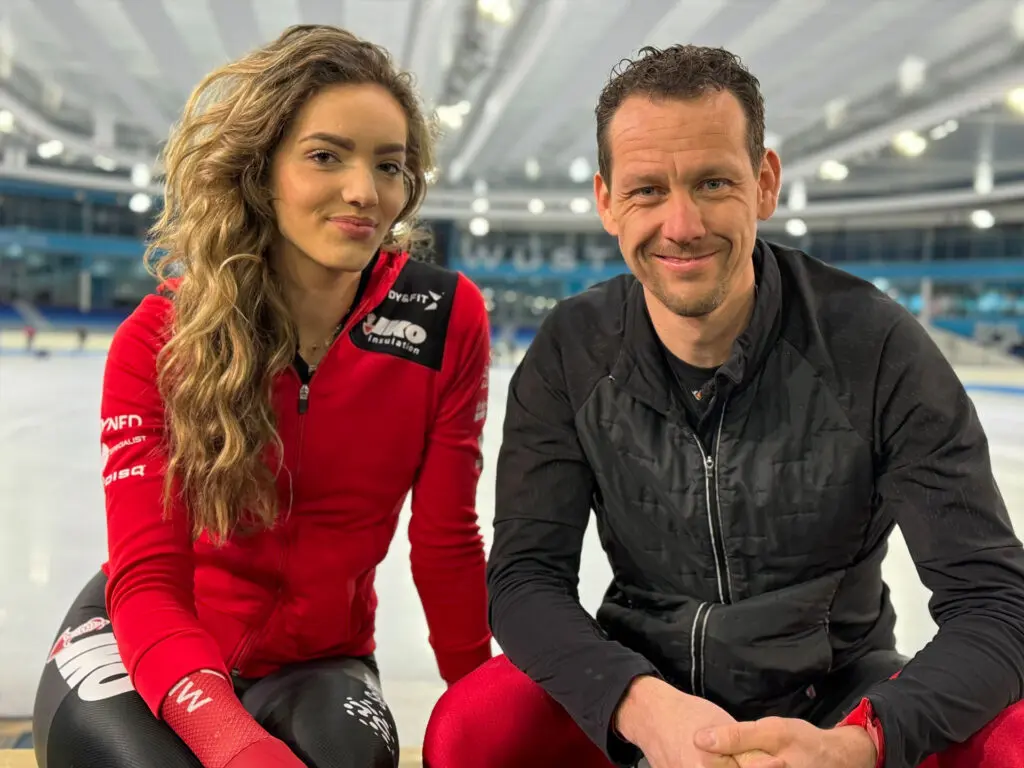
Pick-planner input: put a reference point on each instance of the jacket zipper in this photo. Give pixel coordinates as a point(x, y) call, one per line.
point(261, 626)
point(697, 634)
point(303, 404)
point(714, 513)
point(247, 642)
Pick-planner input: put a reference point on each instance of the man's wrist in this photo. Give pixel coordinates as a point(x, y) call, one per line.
point(857, 746)
point(863, 718)
point(627, 722)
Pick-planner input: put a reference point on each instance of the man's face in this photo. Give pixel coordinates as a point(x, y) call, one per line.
point(683, 198)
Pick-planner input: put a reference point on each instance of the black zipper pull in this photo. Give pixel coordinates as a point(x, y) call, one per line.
point(304, 398)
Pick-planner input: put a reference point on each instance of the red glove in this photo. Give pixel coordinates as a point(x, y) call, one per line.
point(205, 712)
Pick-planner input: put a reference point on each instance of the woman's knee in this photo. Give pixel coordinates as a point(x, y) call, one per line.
point(359, 736)
point(119, 732)
point(331, 713)
point(498, 717)
point(86, 711)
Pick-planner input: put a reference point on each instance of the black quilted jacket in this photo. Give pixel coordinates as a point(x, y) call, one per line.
point(747, 553)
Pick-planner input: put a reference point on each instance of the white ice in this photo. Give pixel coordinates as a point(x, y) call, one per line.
point(52, 535)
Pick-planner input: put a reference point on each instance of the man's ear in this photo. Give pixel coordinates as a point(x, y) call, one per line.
point(603, 196)
point(769, 183)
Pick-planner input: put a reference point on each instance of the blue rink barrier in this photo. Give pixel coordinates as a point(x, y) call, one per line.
point(996, 380)
point(995, 389)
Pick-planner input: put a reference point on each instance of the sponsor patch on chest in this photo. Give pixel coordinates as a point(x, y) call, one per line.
point(411, 322)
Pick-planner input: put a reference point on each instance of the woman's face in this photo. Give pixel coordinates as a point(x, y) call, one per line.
point(337, 177)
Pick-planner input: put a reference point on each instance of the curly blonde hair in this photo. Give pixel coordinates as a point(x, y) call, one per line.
point(231, 332)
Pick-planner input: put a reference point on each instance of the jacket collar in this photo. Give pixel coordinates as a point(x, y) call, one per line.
point(642, 370)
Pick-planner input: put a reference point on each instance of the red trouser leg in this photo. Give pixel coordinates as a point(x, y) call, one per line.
point(496, 717)
point(1000, 744)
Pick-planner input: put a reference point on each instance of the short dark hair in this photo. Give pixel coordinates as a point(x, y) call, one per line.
point(680, 72)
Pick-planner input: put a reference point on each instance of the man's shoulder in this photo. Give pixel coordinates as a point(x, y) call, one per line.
point(845, 327)
point(582, 336)
point(834, 298)
point(600, 309)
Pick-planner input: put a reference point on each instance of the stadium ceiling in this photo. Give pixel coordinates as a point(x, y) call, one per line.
point(871, 103)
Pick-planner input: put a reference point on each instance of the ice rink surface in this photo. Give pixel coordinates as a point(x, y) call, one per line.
point(52, 536)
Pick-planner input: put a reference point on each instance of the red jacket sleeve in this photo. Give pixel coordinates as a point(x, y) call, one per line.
point(149, 593)
point(447, 549)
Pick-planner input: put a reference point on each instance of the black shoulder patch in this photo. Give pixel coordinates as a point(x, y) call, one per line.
point(412, 321)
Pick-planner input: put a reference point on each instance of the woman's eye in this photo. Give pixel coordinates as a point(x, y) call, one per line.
point(391, 168)
point(321, 156)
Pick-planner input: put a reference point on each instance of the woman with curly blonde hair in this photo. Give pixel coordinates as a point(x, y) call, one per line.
point(264, 416)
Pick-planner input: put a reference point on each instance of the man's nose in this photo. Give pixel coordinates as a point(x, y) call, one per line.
point(684, 221)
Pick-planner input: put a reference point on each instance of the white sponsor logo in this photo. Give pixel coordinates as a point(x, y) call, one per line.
point(186, 692)
point(107, 451)
point(92, 625)
point(92, 664)
point(481, 410)
point(397, 333)
point(428, 300)
point(371, 711)
point(111, 423)
point(139, 470)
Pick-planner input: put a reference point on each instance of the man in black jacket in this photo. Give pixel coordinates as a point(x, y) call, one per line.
point(748, 425)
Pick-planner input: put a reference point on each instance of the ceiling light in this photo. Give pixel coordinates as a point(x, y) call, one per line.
point(104, 163)
point(796, 227)
point(909, 143)
point(141, 175)
point(579, 170)
point(912, 74)
point(1015, 100)
point(579, 205)
point(532, 169)
point(479, 226)
point(6, 121)
point(480, 205)
point(1017, 20)
point(498, 11)
point(479, 187)
point(833, 170)
point(140, 202)
point(50, 149)
point(835, 113)
point(984, 178)
point(797, 195)
point(983, 219)
point(457, 168)
point(535, 206)
point(453, 115)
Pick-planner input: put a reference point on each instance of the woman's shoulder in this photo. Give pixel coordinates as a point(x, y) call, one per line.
point(445, 291)
point(148, 324)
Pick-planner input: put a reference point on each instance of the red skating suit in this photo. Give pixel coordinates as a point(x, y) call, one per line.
point(397, 404)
